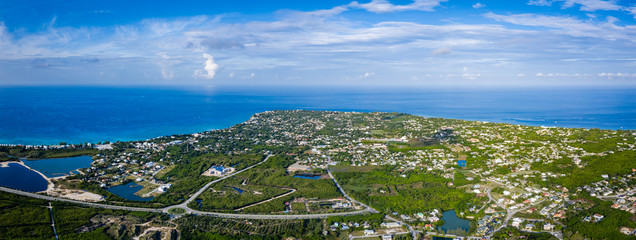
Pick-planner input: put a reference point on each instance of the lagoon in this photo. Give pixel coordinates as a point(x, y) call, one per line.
point(56, 167)
point(128, 191)
point(22, 178)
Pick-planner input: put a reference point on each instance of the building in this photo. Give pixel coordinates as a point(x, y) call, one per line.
point(598, 217)
point(368, 232)
point(461, 163)
point(548, 227)
point(529, 227)
point(387, 237)
point(391, 225)
point(218, 171)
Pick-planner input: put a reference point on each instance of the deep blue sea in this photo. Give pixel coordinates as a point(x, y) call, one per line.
point(50, 115)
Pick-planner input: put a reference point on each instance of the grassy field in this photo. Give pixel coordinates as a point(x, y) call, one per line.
point(28, 218)
point(388, 192)
point(273, 173)
point(230, 194)
point(148, 187)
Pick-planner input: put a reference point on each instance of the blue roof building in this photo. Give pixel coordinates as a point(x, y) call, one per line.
point(461, 163)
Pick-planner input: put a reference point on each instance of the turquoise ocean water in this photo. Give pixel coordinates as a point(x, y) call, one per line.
point(50, 115)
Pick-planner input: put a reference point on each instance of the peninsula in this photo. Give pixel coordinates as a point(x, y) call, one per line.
point(324, 174)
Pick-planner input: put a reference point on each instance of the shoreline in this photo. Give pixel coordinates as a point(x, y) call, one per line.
point(512, 120)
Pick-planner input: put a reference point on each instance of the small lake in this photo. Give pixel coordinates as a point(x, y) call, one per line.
point(128, 191)
point(238, 190)
point(314, 177)
point(19, 177)
point(56, 167)
point(452, 222)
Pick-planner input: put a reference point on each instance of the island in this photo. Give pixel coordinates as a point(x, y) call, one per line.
point(297, 174)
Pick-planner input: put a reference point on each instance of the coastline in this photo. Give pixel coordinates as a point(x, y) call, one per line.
point(555, 107)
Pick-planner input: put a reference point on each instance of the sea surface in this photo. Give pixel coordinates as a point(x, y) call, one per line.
point(50, 115)
point(19, 177)
point(56, 167)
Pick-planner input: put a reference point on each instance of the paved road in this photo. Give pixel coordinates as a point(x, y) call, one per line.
point(292, 190)
point(53, 221)
point(184, 205)
point(88, 204)
point(195, 195)
point(347, 196)
point(370, 209)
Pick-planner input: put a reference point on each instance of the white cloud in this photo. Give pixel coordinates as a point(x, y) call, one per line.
point(632, 11)
point(617, 75)
point(585, 5)
point(442, 51)
point(592, 5)
point(167, 74)
point(471, 76)
point(210, 68)
point(521, 75)
point(327, 43)
point(478, 5)
point(367, 74)
point(540, 2)
point(561, 75)
point(570, 26)
point(384, 6)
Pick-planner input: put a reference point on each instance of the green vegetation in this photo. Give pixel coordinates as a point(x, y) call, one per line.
point(187, 179)
point(28, 218)
point(460, 179)
point(604, 229)
point(23, 217)
point(514, 233)
point(201, 227)
point(374, 219)
point(176, 211)
point(393, 162)
point(40, 153)
point(612, 164)
point(274, 173)
point(387, 191)
point(227, 195)
point(414, 146)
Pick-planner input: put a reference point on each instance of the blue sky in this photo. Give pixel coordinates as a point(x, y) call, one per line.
point(446, 43)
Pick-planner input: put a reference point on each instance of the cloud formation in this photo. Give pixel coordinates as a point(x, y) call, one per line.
point(384, 6)
point(478, 5)
point(327, 46)
point(210, 68)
